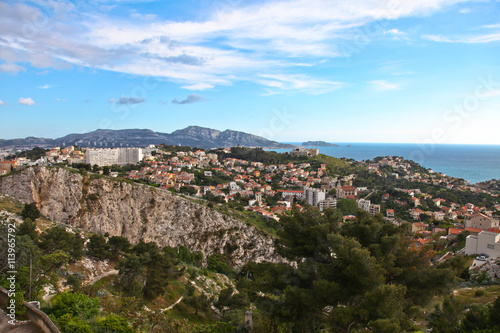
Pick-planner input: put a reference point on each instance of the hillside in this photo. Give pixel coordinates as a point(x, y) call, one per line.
point(137, 212)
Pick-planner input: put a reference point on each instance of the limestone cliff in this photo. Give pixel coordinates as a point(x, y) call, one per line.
point(138, 212)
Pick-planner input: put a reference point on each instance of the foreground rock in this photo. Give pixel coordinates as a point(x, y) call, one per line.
point(101, 204)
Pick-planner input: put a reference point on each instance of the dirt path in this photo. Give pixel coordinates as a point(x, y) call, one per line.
point(103, 275)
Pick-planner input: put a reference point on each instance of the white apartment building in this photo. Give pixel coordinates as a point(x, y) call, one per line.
point(327, 203)
point(314, 195)
point(110, 156)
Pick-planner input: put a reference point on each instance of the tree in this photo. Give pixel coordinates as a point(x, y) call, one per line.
point(30, 211)
point(71, 324)
point(146, 271)
point(74, 304)
point(28, 228)
point(115, 324)
point(58, 239)
point(200, 302)
point(97, 247)
point(347, 206)
point(118, 245)
point(361, 275)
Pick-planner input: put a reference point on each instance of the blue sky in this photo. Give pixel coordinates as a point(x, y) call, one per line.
point(339, 71)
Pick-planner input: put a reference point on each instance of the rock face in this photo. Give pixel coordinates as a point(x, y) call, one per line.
point(101, 204)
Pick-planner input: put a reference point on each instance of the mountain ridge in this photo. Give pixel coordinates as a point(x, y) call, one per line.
point(193, 136)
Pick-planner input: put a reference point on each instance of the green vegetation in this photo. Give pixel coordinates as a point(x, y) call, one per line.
point(33, 154)
point(30, 211)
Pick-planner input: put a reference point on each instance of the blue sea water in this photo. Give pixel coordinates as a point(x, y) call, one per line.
point(475, 163)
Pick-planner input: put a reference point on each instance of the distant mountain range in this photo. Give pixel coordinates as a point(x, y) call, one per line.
point(193, 136)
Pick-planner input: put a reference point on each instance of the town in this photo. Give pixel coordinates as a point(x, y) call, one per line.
point(434, 205)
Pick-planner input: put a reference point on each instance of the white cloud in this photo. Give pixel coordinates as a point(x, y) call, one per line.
point(395, 32)
point(26, 101)
point(60, 99)
point(224, 46)
point(488, 38)
point(11, 68)
point(384, 85)
point(492, 93)
point(46, 86)
point(492, 26)
point(465, 11)
point(297, 83)
point(198, 86)
point(2, 103)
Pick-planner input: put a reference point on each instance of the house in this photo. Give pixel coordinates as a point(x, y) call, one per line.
point(8, 165)
point(439, 216)
point(344, 192)
point(454, 232)
point(299, 195)
point(474, 231)
point(418, 227)
point(415, 213)
point(389, 213)
point(487, 241)
point(478, 220)
point(374, 209)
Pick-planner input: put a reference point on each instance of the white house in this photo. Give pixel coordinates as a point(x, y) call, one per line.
point(485, 242)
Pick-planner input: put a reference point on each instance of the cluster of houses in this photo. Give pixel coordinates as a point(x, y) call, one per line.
point(402, 169)
point(292, 183)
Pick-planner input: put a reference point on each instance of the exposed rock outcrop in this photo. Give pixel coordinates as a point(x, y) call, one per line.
point(101, 204)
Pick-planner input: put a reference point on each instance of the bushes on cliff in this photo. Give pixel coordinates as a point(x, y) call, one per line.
point(146, 271)
point(58, 239)
point(30, 211)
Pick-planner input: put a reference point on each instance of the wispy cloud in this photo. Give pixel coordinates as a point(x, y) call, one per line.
point(192, 98)
point(26, 101)
point(46, 86)
point(11, 68)
point(198, 86)
point(395, 32)
point(487, 38)
point(220, 48)
point(464, 11)
point(492, 93)
point(384, 85)
point(128, 100)
point(285, 83)
point(60, 99)
point(2, 103)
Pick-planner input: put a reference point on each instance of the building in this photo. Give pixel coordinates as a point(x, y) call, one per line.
point(418, 227)
point(481, 221)
point(314, 195)
point(374, 209)
point(327, 203)
point(305, 152)
point(364, 204)
point(487, 241)
point(299, 195)
point(110, 156)
point(8, 165)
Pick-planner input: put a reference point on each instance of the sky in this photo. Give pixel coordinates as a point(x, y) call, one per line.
point(295, 70)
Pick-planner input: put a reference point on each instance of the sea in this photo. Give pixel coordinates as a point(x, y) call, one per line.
point(475, 163)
